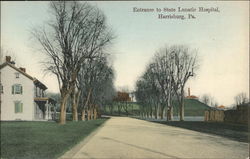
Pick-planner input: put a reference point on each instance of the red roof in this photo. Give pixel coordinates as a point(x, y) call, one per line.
point(221, 106)
point(192, 97)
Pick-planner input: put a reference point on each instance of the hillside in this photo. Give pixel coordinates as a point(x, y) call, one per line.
point(193, 107)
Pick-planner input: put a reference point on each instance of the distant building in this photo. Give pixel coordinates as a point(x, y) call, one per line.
point(221, 107)
point(23, 97)
point(123, 97)
point(191, 96)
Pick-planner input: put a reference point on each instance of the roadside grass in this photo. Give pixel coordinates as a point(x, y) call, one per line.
point(235, 132)
point(34, 139)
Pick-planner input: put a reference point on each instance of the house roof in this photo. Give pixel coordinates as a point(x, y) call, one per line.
point(221, 106)
point(192, 97)
point(45, 99)
point(39, 84)
point(17, 69)
point(36, 81)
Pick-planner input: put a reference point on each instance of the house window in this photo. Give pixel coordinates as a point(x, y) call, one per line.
point(42, 93)
point(17, 89)
point(37, 92)
point(18, 107)
point(17, 75)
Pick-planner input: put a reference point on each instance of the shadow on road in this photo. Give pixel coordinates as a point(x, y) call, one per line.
point(231, 131)
point(139, 147)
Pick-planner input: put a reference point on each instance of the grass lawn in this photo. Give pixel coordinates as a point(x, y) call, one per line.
point(228, 130)
point(36, 139)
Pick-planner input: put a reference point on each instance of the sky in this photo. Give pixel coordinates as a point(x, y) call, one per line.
point(221, 38)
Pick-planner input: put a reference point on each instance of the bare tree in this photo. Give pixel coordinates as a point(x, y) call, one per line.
point(213, 102)
point(163, 69)
point(185, 64)
point(96, 79)
point(103, 90)
point(7, 52)
point(205, 99)
point(167, 75)
point(148, 94)
point(153, 92)
point(76, 32)
point(142, 94)
point(241, 98)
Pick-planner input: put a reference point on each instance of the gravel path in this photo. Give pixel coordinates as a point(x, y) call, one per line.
point(123, 137)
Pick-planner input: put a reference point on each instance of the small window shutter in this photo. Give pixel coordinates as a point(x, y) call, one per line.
point(16, 107)
point(21, 105)
point(21, 89)
point(13, 89)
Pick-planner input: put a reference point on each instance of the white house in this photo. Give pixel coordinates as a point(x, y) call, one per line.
point(22, 96)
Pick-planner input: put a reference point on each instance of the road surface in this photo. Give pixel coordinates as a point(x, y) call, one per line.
point(123, 137)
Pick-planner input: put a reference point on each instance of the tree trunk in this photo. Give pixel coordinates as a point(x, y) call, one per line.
point(75, 99)
point(89, 114)
point(86, 108)
point(92, 113)
point(77, 102)
point(119, 109)
point(83, 115)
point(63, 108)
point(151, 112)
point(161, 113)
point(182, 111)
point(171, 112)
point(95, 114)
point(74, 110)
point(156, 112)
point(127, 108)
point(132, 110)
point(104, 108)
point(168, 113)
point(111, 108)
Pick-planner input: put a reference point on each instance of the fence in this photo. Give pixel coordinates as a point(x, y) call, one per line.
point(240, 115)
point(214, 115)
point(237, 116)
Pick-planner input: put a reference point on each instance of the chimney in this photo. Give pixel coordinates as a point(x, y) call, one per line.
point(22, 69)
point(8, 58)
point(189, 92)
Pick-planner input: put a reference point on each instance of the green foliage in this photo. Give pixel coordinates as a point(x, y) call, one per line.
point(133, 109)
point(192, 107)
point(42, 139)
point(56, 97)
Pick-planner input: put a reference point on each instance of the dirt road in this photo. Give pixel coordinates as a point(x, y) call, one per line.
point(122, 137)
